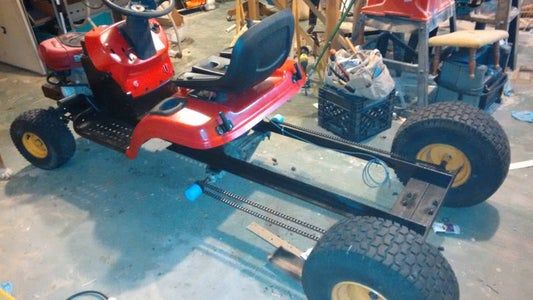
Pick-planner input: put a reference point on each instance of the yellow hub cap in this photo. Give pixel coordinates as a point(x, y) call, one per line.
point(455, 160)
point(350, 290)
point(34, 145)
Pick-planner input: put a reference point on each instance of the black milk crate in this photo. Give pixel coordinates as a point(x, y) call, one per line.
point(351, 117)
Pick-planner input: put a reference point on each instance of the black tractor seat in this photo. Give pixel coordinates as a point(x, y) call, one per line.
point(214, 65)
point(256, 55)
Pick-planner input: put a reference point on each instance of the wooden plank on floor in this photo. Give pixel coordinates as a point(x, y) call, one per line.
point(288, 262)
point(273, 239)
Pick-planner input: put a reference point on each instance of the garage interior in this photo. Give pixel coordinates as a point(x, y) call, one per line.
point(130, 229)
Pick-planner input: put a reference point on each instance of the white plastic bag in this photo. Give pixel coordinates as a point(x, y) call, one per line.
point(362, 74)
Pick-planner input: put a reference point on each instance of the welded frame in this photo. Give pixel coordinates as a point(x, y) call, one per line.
point(416, 206)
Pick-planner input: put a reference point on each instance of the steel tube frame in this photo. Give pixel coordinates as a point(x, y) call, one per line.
point(217, 159)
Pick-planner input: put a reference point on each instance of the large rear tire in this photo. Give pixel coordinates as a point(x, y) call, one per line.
point(467, 140)
point(373, 258)
point(43, 138)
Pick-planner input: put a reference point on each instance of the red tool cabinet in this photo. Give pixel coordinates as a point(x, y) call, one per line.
point(418, 10)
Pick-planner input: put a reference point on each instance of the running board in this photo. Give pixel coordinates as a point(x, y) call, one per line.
point(108, 132)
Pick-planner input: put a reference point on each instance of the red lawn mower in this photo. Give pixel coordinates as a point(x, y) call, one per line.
point(116, 85)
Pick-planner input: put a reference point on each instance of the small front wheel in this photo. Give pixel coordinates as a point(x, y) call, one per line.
point(43, 138)
point(372, 258)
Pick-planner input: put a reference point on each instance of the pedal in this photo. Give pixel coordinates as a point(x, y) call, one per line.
point(109, 132)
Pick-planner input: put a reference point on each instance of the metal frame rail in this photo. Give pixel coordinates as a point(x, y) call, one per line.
point(415, 207)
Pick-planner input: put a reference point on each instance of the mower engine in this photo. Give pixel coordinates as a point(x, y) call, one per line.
point(62, 57)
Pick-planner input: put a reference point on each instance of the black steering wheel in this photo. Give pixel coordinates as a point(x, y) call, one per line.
point(141, 8)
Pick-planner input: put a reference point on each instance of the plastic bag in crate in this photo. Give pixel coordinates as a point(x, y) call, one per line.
point(362, 74)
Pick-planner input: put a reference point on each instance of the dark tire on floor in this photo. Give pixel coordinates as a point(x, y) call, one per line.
point(450, 126)
point(378, 258)
point(43, 138)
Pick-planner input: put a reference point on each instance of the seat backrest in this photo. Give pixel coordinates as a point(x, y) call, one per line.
point(260, 51)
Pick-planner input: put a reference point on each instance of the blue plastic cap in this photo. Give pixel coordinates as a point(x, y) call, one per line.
point(193, 192)
point(7, 287)
point(278, 118)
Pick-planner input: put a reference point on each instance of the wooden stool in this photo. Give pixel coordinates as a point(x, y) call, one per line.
point(471, 39)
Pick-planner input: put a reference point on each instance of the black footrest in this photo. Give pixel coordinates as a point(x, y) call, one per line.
point(106, 131)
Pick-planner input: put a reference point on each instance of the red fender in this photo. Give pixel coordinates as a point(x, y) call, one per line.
point(194, 126)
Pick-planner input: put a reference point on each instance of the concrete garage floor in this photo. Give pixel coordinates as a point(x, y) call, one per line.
point(123, 227)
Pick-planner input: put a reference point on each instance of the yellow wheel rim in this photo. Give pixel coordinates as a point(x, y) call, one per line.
point(34, 145)
point(350, 290)
point(455, 160)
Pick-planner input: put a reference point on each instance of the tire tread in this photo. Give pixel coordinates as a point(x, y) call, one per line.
point(57, 134)
point(396, 247)
point(470, 121)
